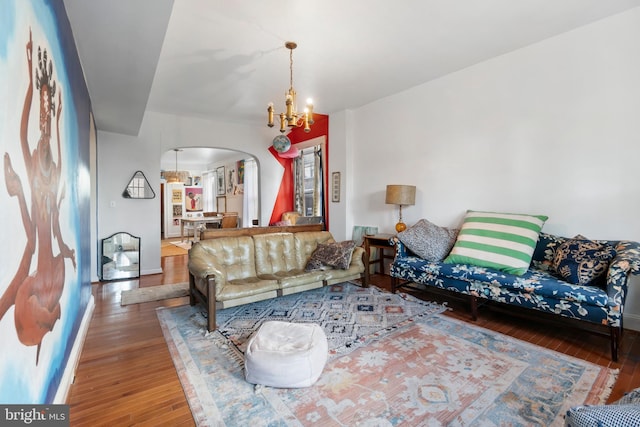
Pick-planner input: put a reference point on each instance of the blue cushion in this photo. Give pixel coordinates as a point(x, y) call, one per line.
point(582, 262)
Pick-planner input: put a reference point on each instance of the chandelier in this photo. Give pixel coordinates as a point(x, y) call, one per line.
point(177, 176)
point(292, 118)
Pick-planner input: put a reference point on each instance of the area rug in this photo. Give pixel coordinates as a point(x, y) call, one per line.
point(424, 370)
point(169, 249)
point(349, 314)
point(184, 245)
point(154, 293)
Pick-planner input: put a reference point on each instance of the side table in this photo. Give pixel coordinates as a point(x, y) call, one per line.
point(380, 241)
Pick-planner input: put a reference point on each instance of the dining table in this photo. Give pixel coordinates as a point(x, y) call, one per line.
point(196, 222)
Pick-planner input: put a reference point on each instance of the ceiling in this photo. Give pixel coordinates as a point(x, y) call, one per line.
point(226, 60)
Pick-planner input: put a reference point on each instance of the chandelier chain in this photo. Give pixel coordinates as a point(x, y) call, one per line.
point(290, 69)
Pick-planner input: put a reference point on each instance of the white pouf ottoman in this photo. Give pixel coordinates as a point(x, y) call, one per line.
point(286, 355)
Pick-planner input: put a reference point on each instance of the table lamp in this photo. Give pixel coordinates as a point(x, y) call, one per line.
point(400, 195)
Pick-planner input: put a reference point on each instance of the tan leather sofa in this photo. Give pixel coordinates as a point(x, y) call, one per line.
point(244, 269)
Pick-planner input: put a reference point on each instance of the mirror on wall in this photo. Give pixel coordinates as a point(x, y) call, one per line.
point(138, 188)
point(120, 254)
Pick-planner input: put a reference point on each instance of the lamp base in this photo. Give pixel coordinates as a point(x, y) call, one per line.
point(401, 226)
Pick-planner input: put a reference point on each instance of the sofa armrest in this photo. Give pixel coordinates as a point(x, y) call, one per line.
point(202, 265)
point(401, 249)
point(357, 258)
point(625, 263)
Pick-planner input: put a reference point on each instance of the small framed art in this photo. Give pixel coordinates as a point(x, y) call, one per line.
point(220, 181)
point(335, 187)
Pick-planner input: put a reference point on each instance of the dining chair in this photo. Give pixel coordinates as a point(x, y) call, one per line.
point(229, 220)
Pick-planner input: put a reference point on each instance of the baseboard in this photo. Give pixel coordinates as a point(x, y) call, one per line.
point(74, 358)
point(153, 271)
point(632, 321)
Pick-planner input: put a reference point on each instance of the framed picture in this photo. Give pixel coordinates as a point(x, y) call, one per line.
point(220, 182)
point(240, 168)
point(231, 180)
point(176, 195)
point(193, 199)
point(335, 187)
point(221, 204)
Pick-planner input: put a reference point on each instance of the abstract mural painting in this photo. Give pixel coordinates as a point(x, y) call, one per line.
point(44, 281)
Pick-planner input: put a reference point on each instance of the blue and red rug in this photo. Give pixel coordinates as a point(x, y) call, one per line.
point(394, 361)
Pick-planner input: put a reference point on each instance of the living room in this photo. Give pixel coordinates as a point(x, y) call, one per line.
point(548, 127)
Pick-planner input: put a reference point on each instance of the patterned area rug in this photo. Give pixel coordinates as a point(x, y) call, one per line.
point(425, 370)
point(154, 293)
point(350, 315)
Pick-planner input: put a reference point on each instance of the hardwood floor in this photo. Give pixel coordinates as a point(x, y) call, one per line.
point(126, 375)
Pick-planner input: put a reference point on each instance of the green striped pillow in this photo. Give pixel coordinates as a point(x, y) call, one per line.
point(501, 241)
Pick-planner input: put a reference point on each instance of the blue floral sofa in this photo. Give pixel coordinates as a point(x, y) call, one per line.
point(536, 289)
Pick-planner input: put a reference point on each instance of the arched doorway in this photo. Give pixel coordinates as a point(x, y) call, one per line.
point(208, 180)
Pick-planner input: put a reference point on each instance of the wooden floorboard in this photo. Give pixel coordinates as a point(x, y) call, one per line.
point(126, 375)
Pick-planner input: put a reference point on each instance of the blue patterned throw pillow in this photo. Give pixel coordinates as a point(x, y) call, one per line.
point(582, 262)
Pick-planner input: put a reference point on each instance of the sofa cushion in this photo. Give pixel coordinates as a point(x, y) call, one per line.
point(535, 289)
point(336, 254)
point(233, 255)
point(293, 278)
point(582, 261)
point(275, 252)
point(247, 288)
point(502, 241)
point(429, 241)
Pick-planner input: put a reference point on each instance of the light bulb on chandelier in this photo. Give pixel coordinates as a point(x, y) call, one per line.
point(292, 118)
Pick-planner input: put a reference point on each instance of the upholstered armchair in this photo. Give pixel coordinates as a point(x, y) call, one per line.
point(624, 412)
point(290, 217)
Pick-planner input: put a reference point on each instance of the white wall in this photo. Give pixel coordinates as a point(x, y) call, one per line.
point(341, 159)
point(119, 156)
point(550, 129)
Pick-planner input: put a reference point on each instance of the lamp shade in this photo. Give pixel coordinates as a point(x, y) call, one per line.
point(400, 195)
